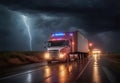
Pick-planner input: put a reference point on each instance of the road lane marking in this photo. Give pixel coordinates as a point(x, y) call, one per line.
point(29, 71)
point(84, 69)
point(22, 73)
point(109, 75)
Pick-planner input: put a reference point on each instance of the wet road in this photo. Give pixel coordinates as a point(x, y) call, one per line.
point(51, 73)
point(96, 70)
point(100, 70)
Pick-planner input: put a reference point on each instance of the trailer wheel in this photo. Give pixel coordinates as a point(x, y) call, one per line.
point(76, 57)
point(79, 56)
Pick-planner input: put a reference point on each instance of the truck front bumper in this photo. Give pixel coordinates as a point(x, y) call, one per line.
point(55, 59)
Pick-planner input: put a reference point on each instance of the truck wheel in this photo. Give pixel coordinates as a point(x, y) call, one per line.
point(63, 61)
point(68, 58)
point(48, 62)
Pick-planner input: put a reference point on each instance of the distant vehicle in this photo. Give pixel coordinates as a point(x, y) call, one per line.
point(66, 46)
point(96, 51)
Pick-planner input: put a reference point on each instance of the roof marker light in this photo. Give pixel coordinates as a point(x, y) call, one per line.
point(58, 34)
point(71, 34)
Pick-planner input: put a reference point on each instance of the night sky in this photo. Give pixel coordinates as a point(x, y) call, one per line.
point(98, 20)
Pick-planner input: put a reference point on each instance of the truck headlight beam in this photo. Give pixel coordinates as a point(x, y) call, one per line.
point(47, 55)
point(61, 55)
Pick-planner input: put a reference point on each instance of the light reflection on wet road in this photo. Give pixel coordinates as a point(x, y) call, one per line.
point(99, 70)
point(51, 73)
point(65, 72)
point(96, 75)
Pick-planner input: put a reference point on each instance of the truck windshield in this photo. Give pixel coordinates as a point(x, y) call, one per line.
point(58, 43)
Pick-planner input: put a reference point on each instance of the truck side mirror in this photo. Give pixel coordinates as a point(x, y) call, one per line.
point(45, 44)
point(45, 47)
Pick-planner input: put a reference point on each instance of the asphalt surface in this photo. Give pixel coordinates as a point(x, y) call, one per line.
point(100, 70)
point(94, 70)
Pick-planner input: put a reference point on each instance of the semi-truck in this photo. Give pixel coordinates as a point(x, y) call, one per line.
point(66, 46)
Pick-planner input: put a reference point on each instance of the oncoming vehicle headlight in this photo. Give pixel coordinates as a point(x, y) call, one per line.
point(61, 55)
point(47, 55)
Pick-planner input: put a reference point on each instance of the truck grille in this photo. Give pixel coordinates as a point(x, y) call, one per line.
point(53, 53)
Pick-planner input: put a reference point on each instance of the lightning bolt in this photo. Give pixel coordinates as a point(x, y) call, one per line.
point(28, 30)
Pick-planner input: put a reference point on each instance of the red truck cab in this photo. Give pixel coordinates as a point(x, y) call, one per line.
point(62, 44)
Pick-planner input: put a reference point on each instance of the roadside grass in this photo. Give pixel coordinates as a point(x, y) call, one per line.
point(9, 59)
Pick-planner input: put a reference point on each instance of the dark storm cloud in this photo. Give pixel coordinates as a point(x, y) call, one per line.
point(98, 20)
point(107, 41)
point(58, 5)
point(12, 36)
point(95, 14)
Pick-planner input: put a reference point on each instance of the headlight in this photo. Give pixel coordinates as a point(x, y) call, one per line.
point(61, 55)
point(47, 55)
